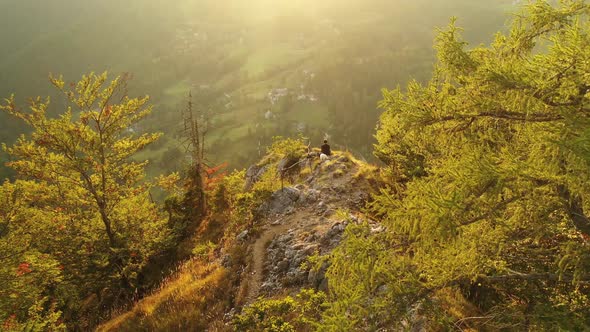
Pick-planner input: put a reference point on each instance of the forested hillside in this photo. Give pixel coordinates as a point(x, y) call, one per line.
point(455, 196)
point(260, 68)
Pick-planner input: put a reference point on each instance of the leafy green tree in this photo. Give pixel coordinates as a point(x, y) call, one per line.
point(83, 201)
point(26, 273)
point(490, 170)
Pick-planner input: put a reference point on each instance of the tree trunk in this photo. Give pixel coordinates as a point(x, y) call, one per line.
point(107, 225)
point(575, 209)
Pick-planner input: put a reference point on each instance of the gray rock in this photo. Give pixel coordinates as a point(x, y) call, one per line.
point(299, 246)
point(317, 277)
point(359, 199)
point(253, 175)
point(310, 196)
point(339, 227)
point(321, 208)
point(294, 277)
point(283, 266)
point(311, 237)
point(242, 236)
point(269, 286)
point(290, 253)
point(297, 260)
point(334, 235)
point(290, 210)
point(285, 237)
point(280, 201)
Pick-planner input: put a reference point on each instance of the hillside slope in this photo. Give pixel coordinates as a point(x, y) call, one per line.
point(264, 260)
point(231, 56)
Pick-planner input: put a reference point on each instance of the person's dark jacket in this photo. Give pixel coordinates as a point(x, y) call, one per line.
point(326, 150)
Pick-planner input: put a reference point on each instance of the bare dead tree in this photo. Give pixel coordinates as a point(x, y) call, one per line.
point(196, 127)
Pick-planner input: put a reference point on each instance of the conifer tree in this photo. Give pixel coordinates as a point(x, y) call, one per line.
point(489, 205)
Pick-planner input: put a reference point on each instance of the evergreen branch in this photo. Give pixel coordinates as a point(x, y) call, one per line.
point(498, 206)
point(574, 100)
point(501, 114)
point(575, 209)
point(534, 276)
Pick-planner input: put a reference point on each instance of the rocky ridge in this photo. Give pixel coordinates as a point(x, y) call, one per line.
point(300, 221)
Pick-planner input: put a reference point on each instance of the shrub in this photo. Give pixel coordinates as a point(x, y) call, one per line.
point(287, 314)
point(291, 148)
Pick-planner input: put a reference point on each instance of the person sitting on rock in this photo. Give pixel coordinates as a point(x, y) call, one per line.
point(326, 152)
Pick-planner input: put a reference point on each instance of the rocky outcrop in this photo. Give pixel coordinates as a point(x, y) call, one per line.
point(284, 265)
point(286, 255)
point(253, 175)
point(300, 221)
point(281, 202)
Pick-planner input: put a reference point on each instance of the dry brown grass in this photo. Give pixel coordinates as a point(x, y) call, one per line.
point(199, 293)
point(188, 301)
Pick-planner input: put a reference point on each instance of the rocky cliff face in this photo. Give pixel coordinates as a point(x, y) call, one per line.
point(300, 221)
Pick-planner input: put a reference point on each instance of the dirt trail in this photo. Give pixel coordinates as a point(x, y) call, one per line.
point(256, 275)
point(303, 217)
